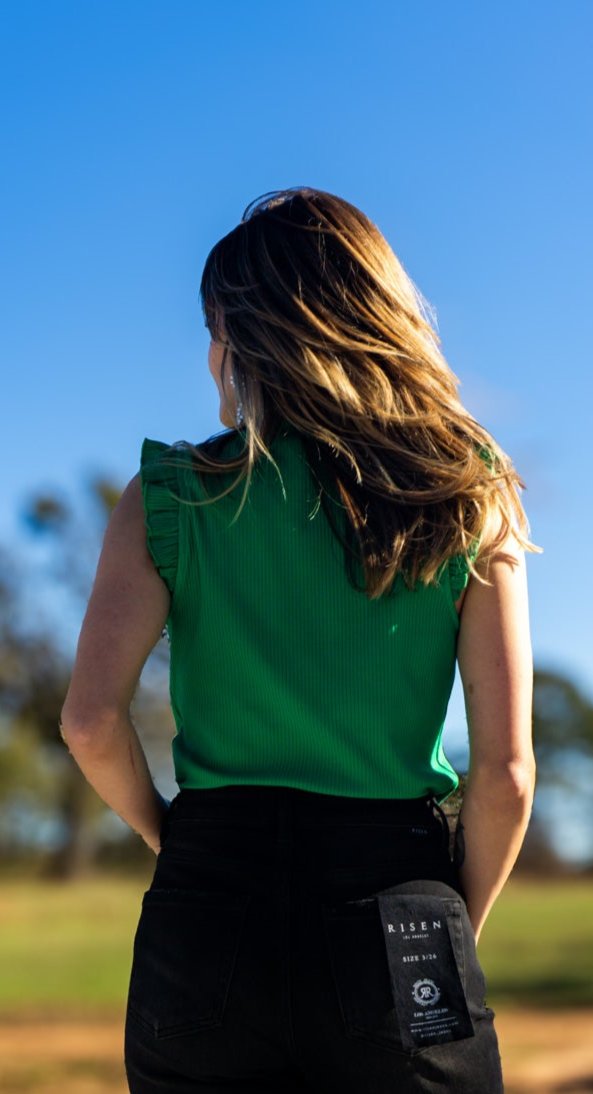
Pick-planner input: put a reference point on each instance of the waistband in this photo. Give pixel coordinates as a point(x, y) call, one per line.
point(264, 804)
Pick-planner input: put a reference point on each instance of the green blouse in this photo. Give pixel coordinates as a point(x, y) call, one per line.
point(281, 672)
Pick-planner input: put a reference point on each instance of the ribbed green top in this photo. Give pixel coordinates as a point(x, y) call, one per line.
point(281, 672)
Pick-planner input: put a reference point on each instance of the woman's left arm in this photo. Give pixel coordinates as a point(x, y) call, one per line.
point(125, 617)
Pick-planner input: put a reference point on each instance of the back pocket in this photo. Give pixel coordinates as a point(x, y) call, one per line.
point(184, 955)
point(400, 961)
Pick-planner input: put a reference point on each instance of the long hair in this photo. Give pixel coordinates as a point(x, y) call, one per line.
point(325, 331)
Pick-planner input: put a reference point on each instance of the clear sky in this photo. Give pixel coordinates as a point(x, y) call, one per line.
point(135, 133)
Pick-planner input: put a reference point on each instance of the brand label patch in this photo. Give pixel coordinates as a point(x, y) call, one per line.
point(426, 984)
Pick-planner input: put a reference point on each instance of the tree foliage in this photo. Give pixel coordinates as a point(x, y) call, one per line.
point(37, 770)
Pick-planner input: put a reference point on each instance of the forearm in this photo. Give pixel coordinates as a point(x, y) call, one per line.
point(493, 821)
point(112, 760)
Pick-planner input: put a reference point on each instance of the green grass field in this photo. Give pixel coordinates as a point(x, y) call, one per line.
point(66, 949)
point(537, 945)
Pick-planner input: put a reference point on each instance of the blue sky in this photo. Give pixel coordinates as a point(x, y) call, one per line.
point(134, 134)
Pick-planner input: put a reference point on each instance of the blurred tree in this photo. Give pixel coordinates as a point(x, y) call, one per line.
point(36, 654)
point(563, 745)
point(35, 666)
point(563, 738)
point(562, 720)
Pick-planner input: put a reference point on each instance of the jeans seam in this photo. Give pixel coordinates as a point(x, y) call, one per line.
point(285, 912)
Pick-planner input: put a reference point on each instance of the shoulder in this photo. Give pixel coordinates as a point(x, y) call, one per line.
point(125, 531)
point(497, 598)
point(163, 471)
point(157, 460)
point(165, 463)
point(508, 550)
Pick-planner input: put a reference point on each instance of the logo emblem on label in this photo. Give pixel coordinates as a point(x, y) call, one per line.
point(426, 993)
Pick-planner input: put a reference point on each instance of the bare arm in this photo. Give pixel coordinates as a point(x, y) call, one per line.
point(126, 613)
point(496, 667)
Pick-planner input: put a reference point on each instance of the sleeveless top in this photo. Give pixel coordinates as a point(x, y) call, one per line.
point(281, 673)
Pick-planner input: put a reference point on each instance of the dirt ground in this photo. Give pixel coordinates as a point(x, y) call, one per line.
point(542, 1052)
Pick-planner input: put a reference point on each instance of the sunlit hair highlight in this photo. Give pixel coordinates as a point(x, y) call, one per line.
point(327, 332)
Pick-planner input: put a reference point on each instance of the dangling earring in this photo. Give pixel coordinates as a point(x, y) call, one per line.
point(239, 404)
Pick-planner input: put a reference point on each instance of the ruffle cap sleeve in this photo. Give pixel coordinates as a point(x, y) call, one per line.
point(459, 569)
point(458, 565)
point(161, 508)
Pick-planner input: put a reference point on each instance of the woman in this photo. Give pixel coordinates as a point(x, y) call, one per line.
point(320, 567)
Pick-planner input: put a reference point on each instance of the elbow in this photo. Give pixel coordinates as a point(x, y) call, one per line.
point(85, 727)
point(521, 777)
point(510, 783)
point(74, 719)
point(69, 722)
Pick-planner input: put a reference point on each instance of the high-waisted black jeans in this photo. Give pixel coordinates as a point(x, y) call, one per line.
point(293, 941)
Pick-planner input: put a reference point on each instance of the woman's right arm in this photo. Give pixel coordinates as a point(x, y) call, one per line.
point(496, 667)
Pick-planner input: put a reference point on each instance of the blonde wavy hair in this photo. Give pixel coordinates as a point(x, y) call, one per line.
point(326, 331)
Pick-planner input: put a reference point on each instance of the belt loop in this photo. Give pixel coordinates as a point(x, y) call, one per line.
point(437, 809)
point(173, 803)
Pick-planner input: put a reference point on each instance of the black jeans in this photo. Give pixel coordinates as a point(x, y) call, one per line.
point(292, 941)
